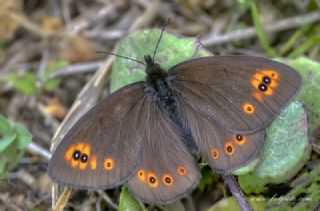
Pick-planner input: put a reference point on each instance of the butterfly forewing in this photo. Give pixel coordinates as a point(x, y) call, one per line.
point(242, 93)
point(168, 171)
point(103, 149)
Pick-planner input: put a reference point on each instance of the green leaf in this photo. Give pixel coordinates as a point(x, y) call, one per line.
point(24, 137)
point(3, 172)
point(286, 147)
point(230, 204)
point(5, 126)
point(128, 202)
point(285, 150)
point(260, 30)
point(171, 51)
point(11, 155)
point(25, 83)
point(6, 141)
point(51, 84)
point(207, 179)
point(251, 183)
point(242, 5)
point(310, 72)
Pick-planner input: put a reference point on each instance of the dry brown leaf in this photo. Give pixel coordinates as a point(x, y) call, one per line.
point(77, 49)
point(55, 108)
point(8, 26)
point(51, 24)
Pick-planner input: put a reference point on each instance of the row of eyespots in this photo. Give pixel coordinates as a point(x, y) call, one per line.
point(79, 156)
point(153, 181)
point(229, 146)
point(264, 81)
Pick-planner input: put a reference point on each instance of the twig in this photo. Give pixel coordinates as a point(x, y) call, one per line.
point(77, 68)
point(39, 150)
point(59, 206)
point(104, 34)
point(236, 192)
point(28, 24)
point(250, 32)
point(107, 199)
point(81, 23)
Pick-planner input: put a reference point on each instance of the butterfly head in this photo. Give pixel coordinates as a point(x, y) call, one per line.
point(153, 70)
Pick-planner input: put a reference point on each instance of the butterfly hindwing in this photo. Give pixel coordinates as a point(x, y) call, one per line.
point(243, 93)
point(224, 150)
point(103, 149)
point(168, 171)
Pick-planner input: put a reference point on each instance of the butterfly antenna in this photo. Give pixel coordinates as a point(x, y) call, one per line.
point(164, 26)
point(124, 57)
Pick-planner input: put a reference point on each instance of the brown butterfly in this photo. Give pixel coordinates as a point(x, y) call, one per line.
point(144, 134)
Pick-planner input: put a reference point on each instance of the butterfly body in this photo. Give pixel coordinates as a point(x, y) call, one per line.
point(157, 87)
point(145, 133)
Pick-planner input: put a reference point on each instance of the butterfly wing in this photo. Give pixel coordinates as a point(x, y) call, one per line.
point(242, 93)
point(223, 150)
point(103, 149)
point(168, 171)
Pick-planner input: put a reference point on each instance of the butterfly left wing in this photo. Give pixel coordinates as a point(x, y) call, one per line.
point(102, 150)
point(168, 171)
point(242, 93)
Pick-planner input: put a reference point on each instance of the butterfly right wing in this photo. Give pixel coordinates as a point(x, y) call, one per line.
point(224, 150)
point(103, 149)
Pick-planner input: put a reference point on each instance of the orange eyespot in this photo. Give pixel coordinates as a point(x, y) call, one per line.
point(215, 153)
point(93, 162)
point(152, 180)
point(108, 164)
point(229, 148)
point(248, 108)
point(181, 171)
point(239, 139)
point(167, 179)
point(141, 175)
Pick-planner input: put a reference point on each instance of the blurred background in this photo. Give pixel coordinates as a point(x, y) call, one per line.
point(48, 55)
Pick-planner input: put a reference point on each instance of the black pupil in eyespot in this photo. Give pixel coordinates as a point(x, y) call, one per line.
point(152, 180)
point(262, 87)
point(239, 137)
point(266, 80)
point(168, 180)
point(76, 155)
point(229, 148)
point(108, 164)
point(84, 158)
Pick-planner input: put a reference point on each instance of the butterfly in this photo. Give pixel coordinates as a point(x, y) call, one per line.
point(145, 134)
